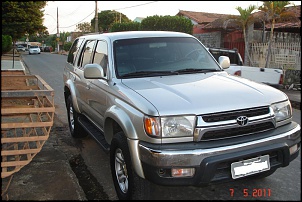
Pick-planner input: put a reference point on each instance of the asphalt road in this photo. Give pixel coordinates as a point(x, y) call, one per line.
point(283, 185)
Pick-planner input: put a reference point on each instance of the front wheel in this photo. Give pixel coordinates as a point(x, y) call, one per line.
point(127, 183)
point(75, 128)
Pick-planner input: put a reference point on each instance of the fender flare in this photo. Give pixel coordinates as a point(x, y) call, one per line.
point(69, 84)
point(117, 114)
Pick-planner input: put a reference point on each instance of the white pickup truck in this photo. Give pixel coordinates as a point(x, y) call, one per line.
point(270, 76)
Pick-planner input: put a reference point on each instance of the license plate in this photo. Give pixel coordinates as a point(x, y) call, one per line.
point(250, 166)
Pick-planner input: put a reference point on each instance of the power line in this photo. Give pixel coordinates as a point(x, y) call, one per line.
point(79, 21)
point(135, 5)
point(111, 9)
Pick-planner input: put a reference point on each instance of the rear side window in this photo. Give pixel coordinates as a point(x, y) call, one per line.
point(74, 50)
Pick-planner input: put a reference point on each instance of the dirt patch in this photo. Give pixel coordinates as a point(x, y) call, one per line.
point(9, 72)
point(16, 57)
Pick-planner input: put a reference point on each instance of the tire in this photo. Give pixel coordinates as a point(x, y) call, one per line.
point(75, 128)
point(127, 183)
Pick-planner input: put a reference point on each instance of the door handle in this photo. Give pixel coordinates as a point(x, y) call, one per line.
point(87, 85)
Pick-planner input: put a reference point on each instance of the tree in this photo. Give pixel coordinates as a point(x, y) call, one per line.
point(107, 18)
point(63, 37)
point(22, 17)
point(84, 27)
point(245, 19)
point(274, 10)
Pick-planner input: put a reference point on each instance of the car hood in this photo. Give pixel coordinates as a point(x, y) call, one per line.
point(203, 93)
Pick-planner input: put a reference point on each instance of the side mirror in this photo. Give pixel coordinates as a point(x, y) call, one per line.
point(224, 62)
point(93, 71)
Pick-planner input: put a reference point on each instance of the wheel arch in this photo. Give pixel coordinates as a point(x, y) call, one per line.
point(69, 89)
point(117, 120)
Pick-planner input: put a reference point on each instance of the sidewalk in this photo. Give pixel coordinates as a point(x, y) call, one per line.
point(49, 175)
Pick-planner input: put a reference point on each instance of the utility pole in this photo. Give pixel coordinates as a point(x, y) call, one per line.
point(58, 34)
point(96, 17)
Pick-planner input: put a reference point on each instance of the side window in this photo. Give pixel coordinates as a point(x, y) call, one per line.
point(74, 50)
point(101, 55)
point(87, 52)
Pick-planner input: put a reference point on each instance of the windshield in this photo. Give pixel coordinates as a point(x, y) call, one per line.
point(33, 46)
point(161, 56)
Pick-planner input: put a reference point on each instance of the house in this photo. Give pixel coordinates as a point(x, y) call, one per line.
point(219, 30)
point(200, 19)
point(138, 19)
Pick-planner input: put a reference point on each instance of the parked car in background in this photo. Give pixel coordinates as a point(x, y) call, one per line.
point(270, 76)
point(47, 49)
point(34, 50)
point(41, 49)
point(20, 48)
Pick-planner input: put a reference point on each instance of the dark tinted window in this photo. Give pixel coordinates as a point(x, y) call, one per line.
point(158, 55)
point(74, 50)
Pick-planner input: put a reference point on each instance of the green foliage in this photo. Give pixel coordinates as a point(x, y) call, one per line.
point(22, 17)
point(167, 23)
point(67, 46)
point(107, 18)
point(245, 18)
point(6, 43)
point(84, 27)
point(127, 26)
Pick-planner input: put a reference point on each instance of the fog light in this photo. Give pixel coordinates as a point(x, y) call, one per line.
point(182, 172)
point(293, 149)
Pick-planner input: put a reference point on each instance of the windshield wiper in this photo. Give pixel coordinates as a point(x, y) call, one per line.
point(147, 73)
point(194, 70)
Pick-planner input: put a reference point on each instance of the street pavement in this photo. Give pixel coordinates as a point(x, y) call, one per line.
point(49, 175)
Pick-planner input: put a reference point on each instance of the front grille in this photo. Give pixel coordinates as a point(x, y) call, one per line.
point(238, 131)
point(232, 115)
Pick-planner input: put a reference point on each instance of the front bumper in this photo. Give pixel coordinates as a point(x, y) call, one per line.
point(213, 163)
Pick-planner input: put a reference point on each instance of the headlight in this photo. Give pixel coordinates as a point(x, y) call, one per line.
point(172, 126)
point(282, 110)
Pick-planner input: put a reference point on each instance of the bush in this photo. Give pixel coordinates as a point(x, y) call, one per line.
point(127, 26)
point(167, 23)
point(6, 44)
point(67, 46)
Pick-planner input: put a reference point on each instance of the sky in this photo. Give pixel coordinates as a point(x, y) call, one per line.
point(71, 13)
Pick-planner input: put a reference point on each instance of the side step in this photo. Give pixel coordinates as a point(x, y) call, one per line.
point(94, 132)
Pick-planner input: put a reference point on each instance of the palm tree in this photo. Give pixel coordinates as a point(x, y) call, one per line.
point(274, 10)
point(245, 19)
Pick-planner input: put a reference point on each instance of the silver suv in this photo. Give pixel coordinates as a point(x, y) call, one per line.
point(168, 113)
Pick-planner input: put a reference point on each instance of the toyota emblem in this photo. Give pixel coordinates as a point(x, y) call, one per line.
point(242, 120)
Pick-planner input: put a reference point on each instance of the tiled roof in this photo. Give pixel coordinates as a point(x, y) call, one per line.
point(224, 21)
point(285, 25)
point(200, 17)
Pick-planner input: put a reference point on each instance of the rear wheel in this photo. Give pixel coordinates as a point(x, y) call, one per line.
point(75, 128)
point(127, 183)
